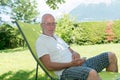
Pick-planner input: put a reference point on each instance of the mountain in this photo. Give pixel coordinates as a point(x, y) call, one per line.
point(97, 12)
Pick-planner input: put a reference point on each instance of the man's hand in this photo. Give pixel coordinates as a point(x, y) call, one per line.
point(75, 55)
point(77, 62)
point(76, 59)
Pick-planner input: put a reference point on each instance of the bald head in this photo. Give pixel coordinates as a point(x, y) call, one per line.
point(45, 17)
point(48, 24)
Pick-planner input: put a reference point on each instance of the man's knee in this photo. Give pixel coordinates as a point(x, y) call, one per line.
point(113, 66)
point(93, 75)
point(112, 57)
point(93, 72)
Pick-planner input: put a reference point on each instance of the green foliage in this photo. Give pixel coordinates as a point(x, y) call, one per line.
point(24, 10)
point(85, 33)
point(54, 3)
point(116, 30)
point(91, 32)
point(81, 33)
point(3, 2)
point(5, 31)
point(9, 37)
point(65, 28)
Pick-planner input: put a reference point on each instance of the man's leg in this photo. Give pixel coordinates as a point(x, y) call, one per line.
point(98, 62)
point(80, 73)
point(113, 67)
point(93, 75)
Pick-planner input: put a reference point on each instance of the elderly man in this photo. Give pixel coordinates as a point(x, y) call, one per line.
point(57, 56)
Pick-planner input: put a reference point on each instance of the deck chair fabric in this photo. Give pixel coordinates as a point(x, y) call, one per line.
point(30, 33)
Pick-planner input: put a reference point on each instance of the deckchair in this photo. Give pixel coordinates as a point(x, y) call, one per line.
point(30, 33)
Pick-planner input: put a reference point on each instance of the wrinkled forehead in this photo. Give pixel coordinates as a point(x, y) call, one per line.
point(47, 18)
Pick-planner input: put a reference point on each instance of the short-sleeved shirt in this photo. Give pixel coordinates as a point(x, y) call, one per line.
point(55, 47)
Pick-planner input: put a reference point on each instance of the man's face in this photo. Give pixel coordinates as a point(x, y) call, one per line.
point(48, 25)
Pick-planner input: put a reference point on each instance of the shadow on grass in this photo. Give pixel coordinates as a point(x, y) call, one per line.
point(13, 50)
point(30, 75)
point(22, 75)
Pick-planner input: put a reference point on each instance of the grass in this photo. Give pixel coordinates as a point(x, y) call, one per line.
point(18, 64)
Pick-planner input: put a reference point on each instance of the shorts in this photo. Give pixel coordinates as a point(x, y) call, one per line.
point(97, 63)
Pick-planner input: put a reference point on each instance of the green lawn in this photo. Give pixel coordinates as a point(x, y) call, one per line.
point(18, 64)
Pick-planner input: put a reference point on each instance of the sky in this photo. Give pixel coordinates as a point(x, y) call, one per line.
point(4, 16)
point(67, 6)
point(63, 8)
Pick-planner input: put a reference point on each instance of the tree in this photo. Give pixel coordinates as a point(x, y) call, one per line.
point(51, 3)
point(6, 36)
point(23, 10)
point(65, 28)
point(54, 3)
point(0, 20)
point(26, 10)
point(2, 2)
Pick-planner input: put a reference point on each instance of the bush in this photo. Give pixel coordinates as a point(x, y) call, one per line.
point(90, 33)
point(116, 30)
point(9, 37)
point(86, 33)
point(65, 28)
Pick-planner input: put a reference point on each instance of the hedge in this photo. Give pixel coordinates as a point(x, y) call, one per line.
point(87, 33)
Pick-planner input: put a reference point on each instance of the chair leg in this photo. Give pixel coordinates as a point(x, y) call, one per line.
point(36, 77)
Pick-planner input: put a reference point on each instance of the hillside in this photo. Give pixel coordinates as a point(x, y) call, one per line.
point(96, 12)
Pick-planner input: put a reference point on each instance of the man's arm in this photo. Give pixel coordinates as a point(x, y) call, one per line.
point(54, 66)
point(75, 55)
